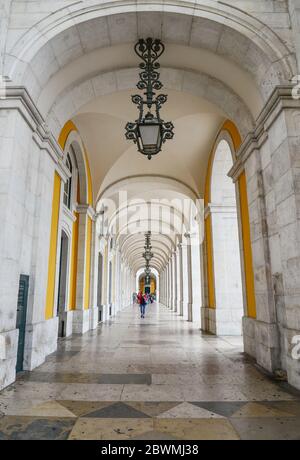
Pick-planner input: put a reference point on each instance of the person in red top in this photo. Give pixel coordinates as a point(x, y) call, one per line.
point(142, 303)
point(139, 297)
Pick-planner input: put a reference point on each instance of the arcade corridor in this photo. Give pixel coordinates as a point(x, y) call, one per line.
point(157, 378)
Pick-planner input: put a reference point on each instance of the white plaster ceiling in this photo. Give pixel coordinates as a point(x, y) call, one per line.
point(122, 56)
point(101, 124)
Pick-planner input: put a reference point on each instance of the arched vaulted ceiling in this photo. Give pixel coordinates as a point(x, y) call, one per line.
point(79, 63)
point(167, 211)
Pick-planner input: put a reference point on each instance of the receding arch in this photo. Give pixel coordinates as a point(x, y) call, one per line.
point(230, 133)
point(155, 273)
point(195, 83)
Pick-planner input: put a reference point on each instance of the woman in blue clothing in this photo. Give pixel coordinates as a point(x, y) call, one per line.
point(143, 305)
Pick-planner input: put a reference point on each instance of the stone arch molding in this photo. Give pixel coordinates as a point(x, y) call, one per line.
point(164, 181)
point(226, 137)
point(41, 51)
point(200, 85)
point(163, 245)
point(183, 216)
point(74, 140)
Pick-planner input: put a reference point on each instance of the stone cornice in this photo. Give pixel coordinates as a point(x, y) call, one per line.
point(281, 99)
point(18, 98)
point(68, 214)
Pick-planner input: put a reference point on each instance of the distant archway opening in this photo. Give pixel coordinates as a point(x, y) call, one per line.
point(226, 247)
point(147, 288)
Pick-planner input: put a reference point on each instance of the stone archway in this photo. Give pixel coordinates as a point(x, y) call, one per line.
point(225, 243)
point(265, 55)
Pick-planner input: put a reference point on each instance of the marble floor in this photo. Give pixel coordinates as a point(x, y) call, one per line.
point(156, 378)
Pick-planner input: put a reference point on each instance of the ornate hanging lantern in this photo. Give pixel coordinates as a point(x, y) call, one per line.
point(148, 255)
point(149, 131)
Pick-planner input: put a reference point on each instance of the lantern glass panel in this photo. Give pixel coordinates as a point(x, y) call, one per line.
point(150, 137)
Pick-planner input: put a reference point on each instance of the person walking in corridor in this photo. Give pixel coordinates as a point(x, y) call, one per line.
point(142, 303)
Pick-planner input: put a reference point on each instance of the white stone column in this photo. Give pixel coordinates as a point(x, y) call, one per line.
point(122, 284)
point(105, 281)
point(118, 286)
point(130, 285)
point(185, 284)
point(94, 269)
point(94, 310)
point(126, 286)
point(128, 302)
point(174, 279)
point(189, 279)
point(114, 286)
point(171, 283)
point(196, 280)
point(81, 316)
point(163, 287)
point(167, 286)
point(180, 279)
point(177, 282)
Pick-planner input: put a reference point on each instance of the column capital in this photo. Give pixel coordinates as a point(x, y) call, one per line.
point(86, 209)
point(212, 208)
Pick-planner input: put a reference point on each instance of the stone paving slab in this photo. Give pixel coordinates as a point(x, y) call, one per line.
point(162, 381)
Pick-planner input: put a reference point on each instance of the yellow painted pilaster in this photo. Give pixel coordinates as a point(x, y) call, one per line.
point(53, 247)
